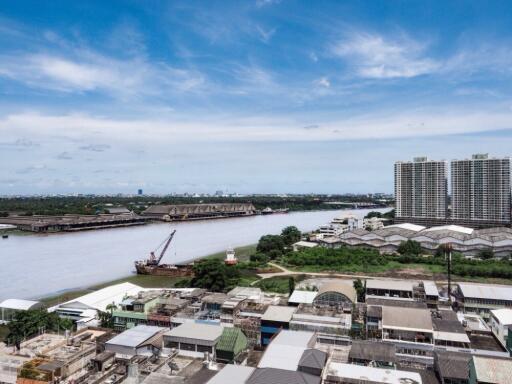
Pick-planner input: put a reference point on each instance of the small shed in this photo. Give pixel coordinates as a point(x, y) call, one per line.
point(231, 343)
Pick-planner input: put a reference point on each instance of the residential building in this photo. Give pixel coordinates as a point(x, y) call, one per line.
point(490, 370)
point(375, 354)
point(275, 319)
point(341, 373)
point(481, 190)
point(482, 298)
point(500, 320)
point(280, 376)
point(452, 367)
point(194, 339)
point(421, 190)
point(398, 289)
point(231, 344)
point(142, 340)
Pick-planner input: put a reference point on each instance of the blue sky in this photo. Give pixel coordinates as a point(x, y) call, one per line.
point(246, 96)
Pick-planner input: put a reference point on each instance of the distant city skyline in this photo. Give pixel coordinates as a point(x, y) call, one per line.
point(268, 96)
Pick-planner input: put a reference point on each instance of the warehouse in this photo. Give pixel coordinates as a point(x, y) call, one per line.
point(142, 340)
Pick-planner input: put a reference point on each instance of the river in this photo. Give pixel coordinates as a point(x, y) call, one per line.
point(38, 265)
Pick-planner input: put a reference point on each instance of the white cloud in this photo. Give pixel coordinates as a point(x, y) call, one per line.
point(414, 123)
point(265, 35)
point(323, 82)
point(374, 56)
point(86, 71)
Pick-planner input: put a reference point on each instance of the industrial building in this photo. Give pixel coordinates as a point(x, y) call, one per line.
point(481, 299)
point(9, 308)
point(178, 212)
point(193, 339)
point(142, 340)
point(464, 240)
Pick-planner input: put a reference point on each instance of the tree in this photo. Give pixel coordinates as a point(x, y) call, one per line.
point(259, 258)
point(26, 324)
point(360, 289)
point(486, 254)
point(268, 243)
point(409, 247)
point(214, 275)
point(373, 214)
point(291, 285)
point(290, 235)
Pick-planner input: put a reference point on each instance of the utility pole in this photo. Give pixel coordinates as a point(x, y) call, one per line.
point(448, 258)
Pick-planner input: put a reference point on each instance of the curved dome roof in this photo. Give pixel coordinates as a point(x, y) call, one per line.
point(338, 287)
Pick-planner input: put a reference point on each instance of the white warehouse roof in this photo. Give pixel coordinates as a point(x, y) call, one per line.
point(455, 228)
point(21, 305)
point(232, 374)
point(197, 331)
point(100, 299)
point(302, 297)
point(408, 226)
point(486, 291)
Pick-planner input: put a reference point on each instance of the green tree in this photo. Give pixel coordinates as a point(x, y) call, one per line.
point(106, 319)
point(486, 254)
point(26, 324)
point(409, 247)
point(291, 285)
point(360, 289)
point(290, 235)
point(373, 214)
point(214, 275)
point(269, 243)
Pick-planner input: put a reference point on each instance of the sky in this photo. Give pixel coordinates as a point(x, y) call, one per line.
point(256, 96)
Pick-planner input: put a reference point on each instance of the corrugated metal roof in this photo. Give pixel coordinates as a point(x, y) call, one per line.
point(280, 376)
point(232, 374)
point(231, 340)
point(279, 313)
point(407, 318)
point(373, 375)
point(493, 370)
point(286, 350)
point(486, 291)
point(196, 331)
point(313, 358)
point(430, 288)
point(302, 297)
point(395, 285)
point(22, 305)
point(135, 336)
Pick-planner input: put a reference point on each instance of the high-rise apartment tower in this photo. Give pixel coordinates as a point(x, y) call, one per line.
point(481, 190)
point(421, 189)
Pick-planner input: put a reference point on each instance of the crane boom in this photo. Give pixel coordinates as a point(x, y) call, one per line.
point(165, 247)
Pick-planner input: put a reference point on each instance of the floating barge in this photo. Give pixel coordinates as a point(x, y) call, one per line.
point(152, 266)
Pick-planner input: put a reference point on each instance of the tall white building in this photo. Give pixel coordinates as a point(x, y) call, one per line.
point(421, 189)
point(481, 190)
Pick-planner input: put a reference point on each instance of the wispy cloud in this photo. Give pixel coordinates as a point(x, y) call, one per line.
point(95, 147)
point(265, 35)
point(64, 156)
point(322, 82)
point(374, 56)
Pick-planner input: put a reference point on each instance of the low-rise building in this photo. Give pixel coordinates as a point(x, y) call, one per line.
point(490, 370)
point(452, 367)
point(142, 340)
point(500, 320)
point(193, 339)
point(482, 298)
point(300, 245)
point(375, 354)
point(341, 373)
point(275, 319)
point(402, 289)
point(231, 344)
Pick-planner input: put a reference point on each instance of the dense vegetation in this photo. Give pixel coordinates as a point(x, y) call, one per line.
point(368, 260)
point(380, 215)
point(30, 323)
point(99, 204)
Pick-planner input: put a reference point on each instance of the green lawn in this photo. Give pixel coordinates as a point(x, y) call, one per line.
point(278, 284)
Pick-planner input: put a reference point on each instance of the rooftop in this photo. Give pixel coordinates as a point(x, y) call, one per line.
point(279, 313)
point(394, 285)
point(373, 375)
point(135, 336)
point(286, 350)
point(22, 305)
point(196, 331)
point(408, 226)
point(368, 350)
point(453, 365)
point(454, 228)
point(504, 315)
point(414, 319)
point(302, 297)
point(486, 291)
point(280, 376)
point(493, 370)
point(232, 374)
